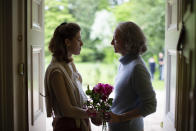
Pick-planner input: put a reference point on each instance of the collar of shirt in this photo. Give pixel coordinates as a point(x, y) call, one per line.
point(128, 58)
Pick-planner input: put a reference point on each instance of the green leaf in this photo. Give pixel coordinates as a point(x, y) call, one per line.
point(110, 101)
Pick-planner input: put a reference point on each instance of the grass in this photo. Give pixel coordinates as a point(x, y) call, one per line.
point(158, 85)
point(93, 73)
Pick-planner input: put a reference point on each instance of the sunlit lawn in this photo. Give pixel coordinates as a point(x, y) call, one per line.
point(158, 85)
point(93, 73)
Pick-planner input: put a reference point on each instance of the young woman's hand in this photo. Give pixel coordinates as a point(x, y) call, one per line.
point(94, 116)
point(91, 112)
point(97, 120)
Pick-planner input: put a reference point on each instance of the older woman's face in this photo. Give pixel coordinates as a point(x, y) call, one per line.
point(118, 44)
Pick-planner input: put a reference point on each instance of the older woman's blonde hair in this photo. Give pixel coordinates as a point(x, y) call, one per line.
point(132, 37)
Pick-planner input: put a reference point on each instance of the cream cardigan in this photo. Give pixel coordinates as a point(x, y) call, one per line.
point(64, 94)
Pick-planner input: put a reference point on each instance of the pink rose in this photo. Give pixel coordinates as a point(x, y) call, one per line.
point(103, 89)
point(104, 97)
point(108, 89)
point(99, 88)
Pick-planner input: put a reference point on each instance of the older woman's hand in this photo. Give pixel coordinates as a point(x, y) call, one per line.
point(114, 117)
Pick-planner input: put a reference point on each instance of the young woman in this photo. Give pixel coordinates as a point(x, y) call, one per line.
point(63, 84)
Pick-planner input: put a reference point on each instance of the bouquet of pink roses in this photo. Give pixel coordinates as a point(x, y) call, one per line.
point(99, 101)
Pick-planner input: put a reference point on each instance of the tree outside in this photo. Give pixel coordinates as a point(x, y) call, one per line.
point(98, 18)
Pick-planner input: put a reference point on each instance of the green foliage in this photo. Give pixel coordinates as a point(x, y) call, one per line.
point(122, 12)
point(103, 4)
point(110, 55)
point(84, 12)
point(86, 55)
point(148, 14)
point(56, 12)
point(102, 29)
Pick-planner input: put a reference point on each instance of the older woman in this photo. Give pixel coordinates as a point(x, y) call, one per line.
point(134, 95)
point(64, 95)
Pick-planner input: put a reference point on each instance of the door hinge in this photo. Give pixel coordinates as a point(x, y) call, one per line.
point(21, 69)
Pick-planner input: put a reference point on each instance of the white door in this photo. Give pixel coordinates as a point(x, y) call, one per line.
point(172, 32)
point(35, 61)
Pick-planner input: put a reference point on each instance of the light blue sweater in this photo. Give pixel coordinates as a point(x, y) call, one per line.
point(132, 89)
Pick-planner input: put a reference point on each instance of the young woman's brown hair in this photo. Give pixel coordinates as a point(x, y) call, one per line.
point(57, 44)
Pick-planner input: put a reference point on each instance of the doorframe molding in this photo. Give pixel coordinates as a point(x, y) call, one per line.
point(20, 64)
point(13, 92)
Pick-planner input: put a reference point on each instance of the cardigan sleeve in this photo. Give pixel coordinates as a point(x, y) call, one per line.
point(59, 87)
point(144, 90)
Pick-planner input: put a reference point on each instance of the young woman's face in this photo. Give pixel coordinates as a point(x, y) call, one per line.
point(75, 45)
point(117, 43)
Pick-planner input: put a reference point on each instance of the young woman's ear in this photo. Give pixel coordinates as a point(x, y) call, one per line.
point(67, 42)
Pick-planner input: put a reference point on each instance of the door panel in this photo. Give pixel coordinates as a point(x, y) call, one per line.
point(35, 59)
point(171, 14)
point(171, 39)
point(169, 119)
point(171, 84)
point(36, 86)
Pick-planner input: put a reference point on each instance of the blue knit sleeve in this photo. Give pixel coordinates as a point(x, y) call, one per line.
point(143, 87)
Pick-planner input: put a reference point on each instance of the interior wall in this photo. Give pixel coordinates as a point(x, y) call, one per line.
point(6, 71)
